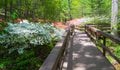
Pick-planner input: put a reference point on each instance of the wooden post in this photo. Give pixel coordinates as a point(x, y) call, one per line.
point(72, 27)
point(96, 37)
point(85, 28)
point(104, 43)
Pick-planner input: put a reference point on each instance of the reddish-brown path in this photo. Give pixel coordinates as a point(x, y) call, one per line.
point(78, 21)
point(84, 55)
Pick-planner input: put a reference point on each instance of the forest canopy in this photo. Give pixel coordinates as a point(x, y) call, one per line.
point(58, 10)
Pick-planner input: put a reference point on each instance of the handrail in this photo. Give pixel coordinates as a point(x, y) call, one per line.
point(97, 34)
point(103, 27)
point(113, 38)
point(55, 58)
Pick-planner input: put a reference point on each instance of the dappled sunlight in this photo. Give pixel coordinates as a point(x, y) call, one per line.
point(65, 64)
point(80, 68)
point(75, 55)
point(88, 56)
point(84, 55)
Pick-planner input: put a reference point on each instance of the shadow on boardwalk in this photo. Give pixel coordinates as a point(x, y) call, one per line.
point(84, 55)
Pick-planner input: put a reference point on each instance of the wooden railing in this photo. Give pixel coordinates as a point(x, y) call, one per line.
point(97, 35)
point(55, 59)
point(103, 27)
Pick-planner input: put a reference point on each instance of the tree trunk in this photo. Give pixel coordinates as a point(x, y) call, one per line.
point(11, 6)
point(69, 6)
point(35, 5)
point(27, 9)
point(5, 9)
point(82, 11)
point(114, 17)
point(99, 6)
point(92, 8)
point(19, 7)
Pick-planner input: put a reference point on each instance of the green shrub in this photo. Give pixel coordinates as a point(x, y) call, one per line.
point(117, 51)
point(28, 45)
point(98, 20)
point(21, 36)
point(2, 26)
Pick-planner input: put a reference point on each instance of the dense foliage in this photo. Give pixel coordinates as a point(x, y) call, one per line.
point(59, 10)
point(97, 20)
point(27, 43)
point(20, 44)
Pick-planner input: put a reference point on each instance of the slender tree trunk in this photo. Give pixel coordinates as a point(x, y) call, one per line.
point(18, 7)
point(27, 9)
point(92, 8)
point(11, 6)
point(114, 17)
point(99, 6)
point(6, 9)
point(59, 11)
point(35, 5)
point(69, 6)
point(82, 10)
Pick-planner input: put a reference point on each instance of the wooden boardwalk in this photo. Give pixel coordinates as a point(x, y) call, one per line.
point(84, 55)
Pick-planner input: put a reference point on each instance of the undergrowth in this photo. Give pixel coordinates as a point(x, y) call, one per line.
point(25, 46)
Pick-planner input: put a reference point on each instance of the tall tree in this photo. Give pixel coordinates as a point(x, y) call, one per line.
point(6, 2)
point(114, 17)
point(99, 7)
point(69, 6)
point(11, 6)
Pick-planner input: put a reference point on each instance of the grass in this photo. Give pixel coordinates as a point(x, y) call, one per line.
point(115, 49)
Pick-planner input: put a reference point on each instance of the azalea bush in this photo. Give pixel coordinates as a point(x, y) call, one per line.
point(24, 46)
point(26, 35)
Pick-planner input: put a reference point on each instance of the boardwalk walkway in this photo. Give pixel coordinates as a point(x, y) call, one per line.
point(84, 55)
